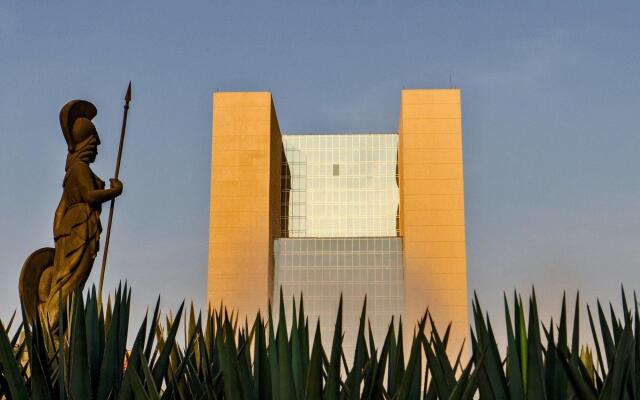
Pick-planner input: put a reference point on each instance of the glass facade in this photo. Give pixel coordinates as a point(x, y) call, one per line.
point(339, 230)
point(324, 268)
point(340, 185)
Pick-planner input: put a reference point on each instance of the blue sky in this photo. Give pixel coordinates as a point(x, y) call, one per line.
point(550, 92)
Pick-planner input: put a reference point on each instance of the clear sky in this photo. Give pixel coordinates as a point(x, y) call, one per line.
point(551, 97)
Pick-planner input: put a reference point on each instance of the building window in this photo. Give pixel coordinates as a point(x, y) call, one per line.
point(336, 169)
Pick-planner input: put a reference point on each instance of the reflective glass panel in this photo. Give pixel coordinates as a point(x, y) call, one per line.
point(324, 268)
point(339, 185)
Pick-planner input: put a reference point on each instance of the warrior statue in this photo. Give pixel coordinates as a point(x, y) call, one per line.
point(50, 274)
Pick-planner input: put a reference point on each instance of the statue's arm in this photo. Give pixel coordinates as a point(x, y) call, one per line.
point(92, 195)
point(102, 195)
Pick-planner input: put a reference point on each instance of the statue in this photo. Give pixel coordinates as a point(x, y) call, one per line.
point(48, 273)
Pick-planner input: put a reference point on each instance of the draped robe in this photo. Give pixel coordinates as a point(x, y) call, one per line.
point(76, 231)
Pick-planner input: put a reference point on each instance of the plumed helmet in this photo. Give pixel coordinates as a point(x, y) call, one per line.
point(80, 111)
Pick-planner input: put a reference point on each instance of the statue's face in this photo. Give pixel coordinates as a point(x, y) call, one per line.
point(95, 141)
point(84, 133)
point(89, 146)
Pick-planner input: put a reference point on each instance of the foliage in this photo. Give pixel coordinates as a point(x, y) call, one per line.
point(222, 358)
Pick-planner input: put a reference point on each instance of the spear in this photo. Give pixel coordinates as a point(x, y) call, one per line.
point(127, 99)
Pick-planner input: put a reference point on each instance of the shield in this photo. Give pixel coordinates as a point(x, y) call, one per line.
point(32, 270)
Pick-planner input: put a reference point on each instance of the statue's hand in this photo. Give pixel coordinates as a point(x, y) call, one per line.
point(116, 186)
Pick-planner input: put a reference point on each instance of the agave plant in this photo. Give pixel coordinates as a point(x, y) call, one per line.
point(548, 366)
point(223, 358)
point(87, 360)
point(219, 359)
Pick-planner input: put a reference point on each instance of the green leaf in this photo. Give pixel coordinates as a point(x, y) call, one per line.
point(228, 361)
point(174, 386)
point(332, 389)
point(79, 373)
point(134, 361)
point(110, 369)
point(261, 361)
point(575, 340)
point(95, 337)
point(313, 389)
point(154, 323)
point(607, 339)
point(359, 357)
point(296, 355)
point(521, 338)
point(582, 387)
point(463, 385)
point(303, 333)
point(494, 381)
point(10, 368)
point(439, 379)
point(273, 358)
point(596, 343)
point(38, 359)
point(440, 351)
point(148, 377)
point(410, 385)
point(535, 373)
point(619, 373)
point(287, 390)
point(396, 361)
point(137, 388)
point(514, 375)
point(162, 364)
point(376, 388)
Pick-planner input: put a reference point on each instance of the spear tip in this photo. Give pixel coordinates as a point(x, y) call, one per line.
point(127, 97)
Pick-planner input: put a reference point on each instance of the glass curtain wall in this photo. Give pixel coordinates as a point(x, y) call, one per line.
point(340, 185)
point(322, 269)
point(339, 231)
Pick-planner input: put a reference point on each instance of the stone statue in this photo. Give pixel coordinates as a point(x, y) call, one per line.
point(48, 272)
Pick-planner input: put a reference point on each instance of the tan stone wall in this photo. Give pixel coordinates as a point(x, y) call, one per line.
point(432, 208)
point(245, 200)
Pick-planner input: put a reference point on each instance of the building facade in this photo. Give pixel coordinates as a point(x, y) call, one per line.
point(324, 215)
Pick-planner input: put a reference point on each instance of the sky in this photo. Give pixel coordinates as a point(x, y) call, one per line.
point(550, 103)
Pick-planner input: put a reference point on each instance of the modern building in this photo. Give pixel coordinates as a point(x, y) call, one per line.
point(354, 214)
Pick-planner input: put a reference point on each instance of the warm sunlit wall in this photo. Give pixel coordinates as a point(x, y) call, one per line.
point(432, 208)
point(245, 201)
